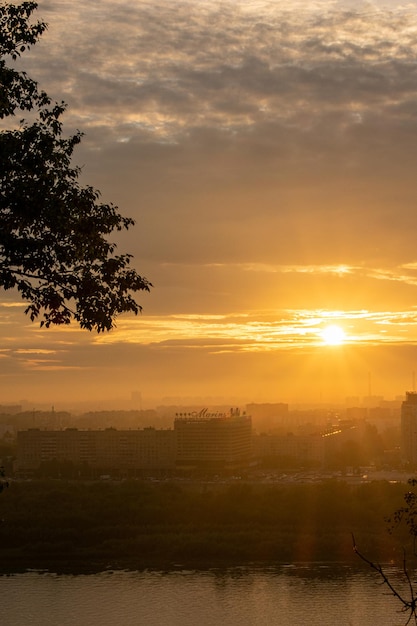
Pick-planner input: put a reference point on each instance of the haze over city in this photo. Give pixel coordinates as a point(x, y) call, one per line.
point(267, 153)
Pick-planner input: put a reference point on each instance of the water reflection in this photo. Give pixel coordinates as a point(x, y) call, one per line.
point(319, 595)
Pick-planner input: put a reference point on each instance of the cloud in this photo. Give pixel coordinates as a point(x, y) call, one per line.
point(268, 153)
point(205, 64)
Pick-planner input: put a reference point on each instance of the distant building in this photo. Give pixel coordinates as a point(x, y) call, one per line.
point(290, 448)
point(199, 440)
point(7, 432)
point(213, 441)
point(10, 409)
point(409, 428)
point(127, 451)
point(356, 412)
point(338, 436)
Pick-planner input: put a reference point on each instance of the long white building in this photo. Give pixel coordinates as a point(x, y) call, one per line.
point(109, 449)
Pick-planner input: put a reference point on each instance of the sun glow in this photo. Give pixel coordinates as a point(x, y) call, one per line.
point(333, 335)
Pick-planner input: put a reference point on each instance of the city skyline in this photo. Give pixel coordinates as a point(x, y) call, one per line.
point(268, 157)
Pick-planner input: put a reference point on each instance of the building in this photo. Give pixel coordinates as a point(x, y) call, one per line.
point(10, 409)
point(409, 428)
point(199, 440)
point(290, 449)
point(213, 441)
point(127, 451)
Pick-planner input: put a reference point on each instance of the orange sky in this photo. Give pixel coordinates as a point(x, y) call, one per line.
point(268, 153)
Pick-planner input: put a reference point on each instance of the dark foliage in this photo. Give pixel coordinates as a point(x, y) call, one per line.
point(3, 482)
point(54, 246)
point(406, 514)
point(147, 524)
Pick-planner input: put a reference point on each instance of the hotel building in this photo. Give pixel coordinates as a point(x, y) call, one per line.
point(207, 440)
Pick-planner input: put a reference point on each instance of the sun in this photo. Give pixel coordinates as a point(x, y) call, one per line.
point(333, 335)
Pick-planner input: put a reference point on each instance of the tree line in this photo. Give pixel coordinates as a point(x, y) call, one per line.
point(89, 525)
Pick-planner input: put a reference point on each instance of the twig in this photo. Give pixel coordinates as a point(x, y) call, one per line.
point(408, 605)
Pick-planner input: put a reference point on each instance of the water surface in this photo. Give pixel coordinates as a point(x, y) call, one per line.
point(316, 595)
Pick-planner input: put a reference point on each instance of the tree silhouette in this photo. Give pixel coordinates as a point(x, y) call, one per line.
point(54, 246)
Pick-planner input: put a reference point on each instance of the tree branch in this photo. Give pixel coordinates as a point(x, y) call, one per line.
point(408, 605)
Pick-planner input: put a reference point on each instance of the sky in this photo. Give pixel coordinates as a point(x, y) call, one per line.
point(268, 153)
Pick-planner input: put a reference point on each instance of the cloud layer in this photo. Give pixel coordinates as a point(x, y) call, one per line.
point(296, 126)
point(267, 152)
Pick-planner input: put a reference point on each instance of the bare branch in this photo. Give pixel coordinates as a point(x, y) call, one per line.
point(408, 606)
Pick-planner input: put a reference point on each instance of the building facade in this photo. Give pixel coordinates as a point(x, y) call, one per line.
point(127, 451)
point(212, 441)
point(291, 448)
point(201, 440)
point(409, 428)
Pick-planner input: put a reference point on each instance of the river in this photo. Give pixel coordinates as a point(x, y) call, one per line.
point(317, 595)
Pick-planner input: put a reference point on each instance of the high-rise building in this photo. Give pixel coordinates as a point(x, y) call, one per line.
point(213, 441)
point(409, 428)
